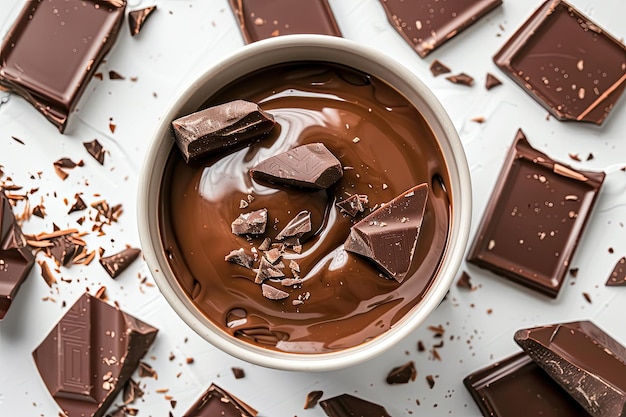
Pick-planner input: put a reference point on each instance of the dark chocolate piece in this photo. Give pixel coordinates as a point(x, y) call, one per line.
point(566, 62)
point(388, 236)
point(40, 59)
point(272, 293)
point(240, 257)
point(308, 166)
point(138, 18)
point(437, 68)
point(297, 227)
point(534, 219)
point(430, 380)
point(425, 25)
point(402, 374)
point(312, 398)
point(584, 360)
point(114, 75)
point(96, 150)
point(353, 205)
point(117, 263)
point(216, 401)
point(464, 281)
point(238, 373)
point(16, 257)
point(518, 386)
point(618, 276)
point(220, 127)
point(64, 249)
point(132, 391)
point(78, 205)
point(90, 354)
point(267, 270)
point(252, 223)
point(491, 81)
point(260, 19)
point(462, 79)
point(346, 405)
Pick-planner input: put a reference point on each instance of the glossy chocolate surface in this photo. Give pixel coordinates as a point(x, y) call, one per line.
point(343, 300)
point(566, 62)
point(534, 219)
point(53, 49)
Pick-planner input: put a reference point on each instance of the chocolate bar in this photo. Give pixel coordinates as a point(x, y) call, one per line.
point(88, 357)
point(534, 219)
point(584, 360)
point(566, 62)
point(50, 63)
point(216, 401)
point(346, 405)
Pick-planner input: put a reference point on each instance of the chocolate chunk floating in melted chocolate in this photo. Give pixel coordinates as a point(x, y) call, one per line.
point(262, 20)
point(388, 236)
point(16, 257)
point(402, 374)
point(220, 127)
point(117, 263)
point(95, 149)
point(252, 223)
point(216, 401)
point(517, 386)
point(618, 276)
point(353, 205)
point(273, 293)
point(307, 166)
point(462, 79)
point(346, 405)
point(90, 354)
point(296, 228)
point(426, 25)
point(53, 86)
point(437, 68)
point(138, 18)
point(534, 219)
point(312, 398)
point(566, 62)
point(240, 257)
point(584, 360)
point(491, 81)
point(267, 270)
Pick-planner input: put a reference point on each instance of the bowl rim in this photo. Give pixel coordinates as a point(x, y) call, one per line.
point(319, 48)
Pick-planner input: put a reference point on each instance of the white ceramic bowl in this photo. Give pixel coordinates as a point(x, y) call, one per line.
point(287, 49)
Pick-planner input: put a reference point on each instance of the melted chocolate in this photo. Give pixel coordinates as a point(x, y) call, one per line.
point(342, 300)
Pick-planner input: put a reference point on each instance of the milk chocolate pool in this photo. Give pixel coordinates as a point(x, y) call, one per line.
point(385, 147)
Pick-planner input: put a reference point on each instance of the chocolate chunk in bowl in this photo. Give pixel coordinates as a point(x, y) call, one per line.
point(306, 71)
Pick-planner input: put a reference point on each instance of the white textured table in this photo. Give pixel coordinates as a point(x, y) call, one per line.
point(181, 40)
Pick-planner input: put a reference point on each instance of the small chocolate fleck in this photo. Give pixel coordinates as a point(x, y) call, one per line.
point(353, 205)
point(346, 405)
point(146, 370)
point(464, 281)
point(78, 205)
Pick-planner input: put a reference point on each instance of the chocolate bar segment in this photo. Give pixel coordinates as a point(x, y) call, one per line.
point(216, 401)
point(534, 219)
point(518, 387)
point(388, 236)
point(89, 356)
point(426, 25)
point(584, 360)
point(566, 62)
point(220, 127)
point(262, 19)
point(53, 50)
point(346, 405)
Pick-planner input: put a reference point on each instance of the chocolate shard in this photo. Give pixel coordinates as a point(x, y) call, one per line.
point(491, 81)
point(216, 401)
point(117, 263)
point(16, 257)
point(388, 236)
point(267, 270)
point(437, 68)
point(220, 127)
point(273, 293)
point(347, 405)
point(402, 374)
point(353, 205)
point(95, 149)
point(307, 166)
point(78, 205)
point(462, 79)
point(312, 398)
point(54, 86)
point(252, 223)
point(297, 227)
point(566, 62)
point(138, 18)
point(584, 360)
point(64, 249)
point(89, 356)
point(238, 373)
point(618, 276)
point(240, 257)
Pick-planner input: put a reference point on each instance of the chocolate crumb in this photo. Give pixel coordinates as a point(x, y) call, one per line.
point(114, 75)
point(587, 297)
point(78, 205)
point(573, 272)
point(590, 156)
point(431, 381)
point(478, 119)
point(574, 156)
point(189, 360)
point(462, 79)
point(437, 68)
point(238, 372)
point(402, 374)
point(312, 398)
point(95, 149)
point(491, 81)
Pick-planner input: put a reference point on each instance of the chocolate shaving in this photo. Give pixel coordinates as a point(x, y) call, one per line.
point(347, 405)
point(464, 281)
point(46, 273)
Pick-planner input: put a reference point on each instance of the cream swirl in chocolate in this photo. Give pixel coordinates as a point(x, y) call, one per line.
point(385, 147)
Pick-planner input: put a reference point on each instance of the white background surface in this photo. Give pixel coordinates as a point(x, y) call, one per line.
point(182, 39)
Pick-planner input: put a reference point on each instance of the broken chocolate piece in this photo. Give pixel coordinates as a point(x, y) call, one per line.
point(307, 166)
point(216, 401)
point(437, 68)
point(388, 236)
point(267, 270)
point(534, 218)
point(464, 281)
point(240, 257)
point(220, 127)
point(297, 227)
point(353, 205)
point(618, 276)
point(117, 263)
point(346, 405)
point(272, 293)
point(238, 373)
point(312, 398)
point(78, 205)
point(566, 62)
point(16, 257)
point(53, 86)
point(137, 18)
point(90, 354)
point(584, 360)
point(491, 81)
point(517, 386)
point(462, 79)
point(426, 26)
point(132, 391)
point(262, 20)
point(95, 149)
point(402, 374)
point(252, 223)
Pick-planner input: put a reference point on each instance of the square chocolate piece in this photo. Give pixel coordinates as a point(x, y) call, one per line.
point(426, 25)
point(534, 219)
point(566, 62)
point(517, 386)
point(54, 48)
point(263, 19)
